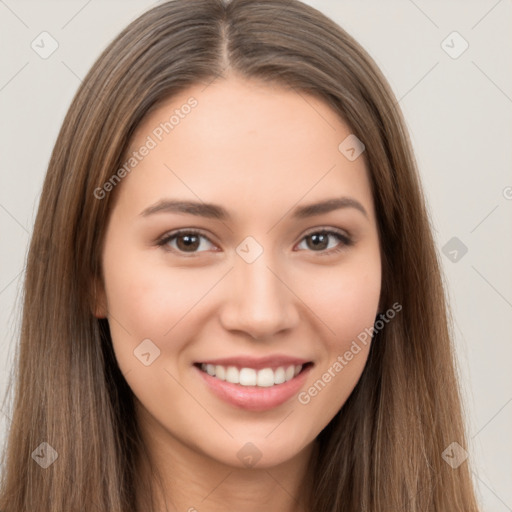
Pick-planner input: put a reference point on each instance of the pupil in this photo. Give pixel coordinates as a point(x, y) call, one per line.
point(321, 238)
point(188, 241)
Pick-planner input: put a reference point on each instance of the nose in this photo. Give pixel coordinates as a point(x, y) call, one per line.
point(261, 302)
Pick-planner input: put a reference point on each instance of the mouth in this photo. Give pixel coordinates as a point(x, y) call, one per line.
point(254, 385)
point(247, 376)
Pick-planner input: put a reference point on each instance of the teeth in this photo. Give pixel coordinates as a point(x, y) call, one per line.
point(233, 375)
point(220, 372)
point(266, 377)
point(247, 377)
point(279, 376)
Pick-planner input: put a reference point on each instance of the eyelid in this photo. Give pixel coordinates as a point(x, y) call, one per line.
point(328, 229)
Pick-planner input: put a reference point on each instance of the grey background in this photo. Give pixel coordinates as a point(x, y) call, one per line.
point(458, 111)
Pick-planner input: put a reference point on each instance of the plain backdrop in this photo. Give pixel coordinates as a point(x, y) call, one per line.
point(457, 102)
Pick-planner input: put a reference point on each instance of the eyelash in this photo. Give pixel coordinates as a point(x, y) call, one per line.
point(346, 240)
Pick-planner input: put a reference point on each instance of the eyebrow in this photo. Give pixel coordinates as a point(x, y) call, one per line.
point(214, 211)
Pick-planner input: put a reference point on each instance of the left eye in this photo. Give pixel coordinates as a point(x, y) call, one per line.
point(320, 240)
point(189, 241)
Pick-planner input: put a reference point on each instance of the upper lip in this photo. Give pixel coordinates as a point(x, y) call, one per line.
point(257, 363)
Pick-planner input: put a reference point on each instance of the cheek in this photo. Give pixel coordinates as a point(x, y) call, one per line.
point(346, 301)
point(146, 302)
point(346, 297)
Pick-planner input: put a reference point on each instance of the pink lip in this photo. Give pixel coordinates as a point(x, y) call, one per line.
point(257, 363)
point(254, 398)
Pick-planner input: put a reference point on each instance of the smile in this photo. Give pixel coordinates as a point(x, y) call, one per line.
point(266, 377)
point(254, 385)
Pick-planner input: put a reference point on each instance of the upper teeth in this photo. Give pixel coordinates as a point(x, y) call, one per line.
point(265, 377)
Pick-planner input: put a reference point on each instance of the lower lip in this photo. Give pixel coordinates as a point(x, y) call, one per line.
point(255, 398)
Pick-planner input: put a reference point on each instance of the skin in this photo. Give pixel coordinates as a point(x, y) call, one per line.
point(260, 151)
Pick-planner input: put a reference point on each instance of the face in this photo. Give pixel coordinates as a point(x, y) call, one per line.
point(250, 283)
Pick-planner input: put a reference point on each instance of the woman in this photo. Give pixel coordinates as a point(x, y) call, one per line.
point(185, 345)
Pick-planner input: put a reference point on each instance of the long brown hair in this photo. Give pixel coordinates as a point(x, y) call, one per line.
point(383, 450)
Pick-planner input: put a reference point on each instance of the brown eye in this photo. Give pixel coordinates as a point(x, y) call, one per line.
point(319, 241)
point(186, 241)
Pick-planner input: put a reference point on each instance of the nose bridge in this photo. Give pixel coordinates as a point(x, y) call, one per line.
point(260, 303)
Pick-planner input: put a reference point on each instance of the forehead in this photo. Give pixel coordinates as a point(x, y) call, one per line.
point(248, 145)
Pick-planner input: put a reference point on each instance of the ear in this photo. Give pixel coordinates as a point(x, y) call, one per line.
point(99, 298)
